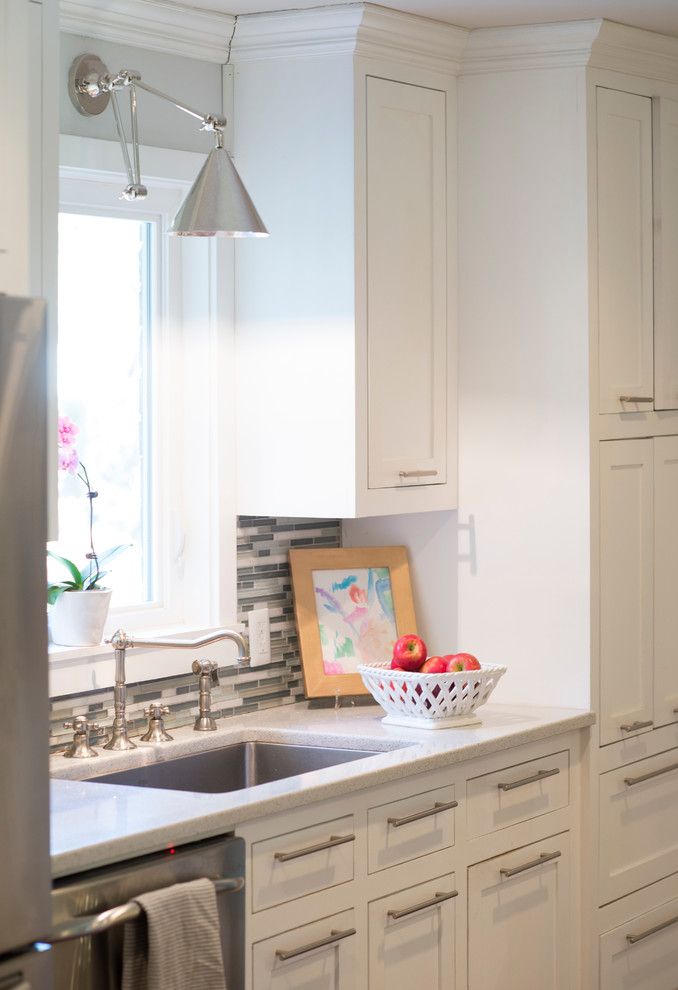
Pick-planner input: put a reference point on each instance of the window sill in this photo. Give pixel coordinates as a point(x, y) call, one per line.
point(84, 669)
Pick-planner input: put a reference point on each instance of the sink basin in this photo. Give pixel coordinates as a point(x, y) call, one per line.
point(233, 767)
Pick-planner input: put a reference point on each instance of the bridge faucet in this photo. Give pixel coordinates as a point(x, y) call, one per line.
point(121, 642)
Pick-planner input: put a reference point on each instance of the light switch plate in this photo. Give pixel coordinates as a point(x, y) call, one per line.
point(259, 628)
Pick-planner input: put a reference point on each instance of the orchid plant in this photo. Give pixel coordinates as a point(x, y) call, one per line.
point(85, 578)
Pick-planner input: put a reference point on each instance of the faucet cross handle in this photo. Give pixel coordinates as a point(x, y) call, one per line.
point(208, 668)
point(80, 748)
point(156, 727)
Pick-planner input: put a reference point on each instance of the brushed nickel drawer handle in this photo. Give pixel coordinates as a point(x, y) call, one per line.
point(632, 939)
point(630, 781)
point(417, 474)
point(334, 840)
point(636, 398)
point(544, 858)
point(633, 726)
point(539, 775)
point(437, 899)
point(330, 939)
point(438, 806)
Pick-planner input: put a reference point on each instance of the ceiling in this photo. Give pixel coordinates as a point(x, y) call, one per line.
point(654, 15)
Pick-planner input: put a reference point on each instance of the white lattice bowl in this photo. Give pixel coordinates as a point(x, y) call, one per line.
point(430, 701)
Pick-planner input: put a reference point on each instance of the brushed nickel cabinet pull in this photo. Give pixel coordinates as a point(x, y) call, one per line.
point(334, 840)
point(632, 939)
point(630, 781)
point(438, 806)
point(636, 398)
point(334, 936)
point(539, 775)
point(417, 474)
point(544, 858)
point(634, 726)
point(437, 899)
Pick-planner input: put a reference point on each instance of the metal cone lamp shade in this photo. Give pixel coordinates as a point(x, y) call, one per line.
point(218, 203)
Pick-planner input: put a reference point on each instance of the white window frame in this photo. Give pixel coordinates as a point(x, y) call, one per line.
point(195, 394)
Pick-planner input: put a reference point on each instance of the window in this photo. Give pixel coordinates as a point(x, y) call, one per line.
point(145, 370)
point(105, 384)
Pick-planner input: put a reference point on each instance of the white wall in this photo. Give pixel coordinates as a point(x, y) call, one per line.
point(161, 125)
point(431, 539)
point(524, 453)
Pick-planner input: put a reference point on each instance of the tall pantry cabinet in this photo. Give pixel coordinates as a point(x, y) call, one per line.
point(569, 169)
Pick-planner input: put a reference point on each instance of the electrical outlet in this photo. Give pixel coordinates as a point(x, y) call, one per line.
point(259, 627)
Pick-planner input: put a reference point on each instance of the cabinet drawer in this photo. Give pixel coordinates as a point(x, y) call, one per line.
point(516, 794)
point(322, 955)
point(411, 940)
point(642, 954)
point(409, 828)
point(638, 835)
point(302, 862)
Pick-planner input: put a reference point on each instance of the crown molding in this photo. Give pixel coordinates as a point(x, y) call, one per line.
point(596, 44)
point(159, 25)
point(363, 29)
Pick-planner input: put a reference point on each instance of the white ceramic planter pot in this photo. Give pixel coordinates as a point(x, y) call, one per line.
point(77, 618)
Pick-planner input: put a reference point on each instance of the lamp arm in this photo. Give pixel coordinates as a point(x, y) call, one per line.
point(210, 121)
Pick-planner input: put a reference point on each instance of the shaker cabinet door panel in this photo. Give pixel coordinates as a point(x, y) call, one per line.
point(626, 538)
point(666, 253)
point(520, 918)
point(414, 948)
point(642, 954)
point(625, 252)
point(665, 580)
point(407, 284)
point(320, 956)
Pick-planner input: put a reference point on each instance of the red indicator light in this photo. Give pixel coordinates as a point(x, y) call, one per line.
point(171, 851)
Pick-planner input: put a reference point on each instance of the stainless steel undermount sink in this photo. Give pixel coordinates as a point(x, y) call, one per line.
point(233, 767)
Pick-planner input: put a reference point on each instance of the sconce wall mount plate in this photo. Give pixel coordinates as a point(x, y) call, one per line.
point(84, 86)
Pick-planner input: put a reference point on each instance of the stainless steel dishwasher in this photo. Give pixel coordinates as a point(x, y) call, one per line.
point(89, 911)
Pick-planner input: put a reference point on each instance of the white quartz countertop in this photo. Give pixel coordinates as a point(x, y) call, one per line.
point(96, 824)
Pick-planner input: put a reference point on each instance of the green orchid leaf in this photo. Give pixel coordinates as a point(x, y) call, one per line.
point(89, 571)
point(69, 565)
point(95, 586)
point(54, 592)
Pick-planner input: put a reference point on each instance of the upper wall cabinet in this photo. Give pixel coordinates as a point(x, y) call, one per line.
point(637, 196)
point(345, 316)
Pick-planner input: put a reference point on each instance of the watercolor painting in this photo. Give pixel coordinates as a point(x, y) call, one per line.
point(356, 617)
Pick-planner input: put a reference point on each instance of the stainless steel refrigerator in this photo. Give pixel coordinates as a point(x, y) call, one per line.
point(25, 913)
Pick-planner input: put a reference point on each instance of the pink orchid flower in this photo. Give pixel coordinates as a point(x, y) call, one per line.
point(68, 431)
point(69, 460)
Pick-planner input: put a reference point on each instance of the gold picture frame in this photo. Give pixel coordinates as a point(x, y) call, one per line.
point(348, 609)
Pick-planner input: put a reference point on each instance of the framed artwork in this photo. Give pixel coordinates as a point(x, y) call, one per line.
point(351, 605)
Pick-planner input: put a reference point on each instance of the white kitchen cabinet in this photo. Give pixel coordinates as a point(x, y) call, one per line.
point(642, 953)
point(412, 936)
point(665, 580)
point(626, 538)
point(407, 284)
point(318, 956)
point(665, 127)
point(625, 251)
point(520, 919)
point(345, 317)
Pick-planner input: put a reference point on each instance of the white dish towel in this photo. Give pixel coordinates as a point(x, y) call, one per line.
point(175, 944)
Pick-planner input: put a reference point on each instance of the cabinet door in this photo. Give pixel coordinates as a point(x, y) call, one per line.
point(320, 956)
point(665, 580)
point(407, 284)
point(519, 919)
point(665, 253)
point(626, 695)
point(625, 270)
point(411, 941)
point(642, 954)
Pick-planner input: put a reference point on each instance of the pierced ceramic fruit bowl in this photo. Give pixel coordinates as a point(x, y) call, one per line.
point(430, 701)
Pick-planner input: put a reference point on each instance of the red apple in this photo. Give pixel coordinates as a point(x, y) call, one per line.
point(434, 665)
point(462, 661)
point(409, 652)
